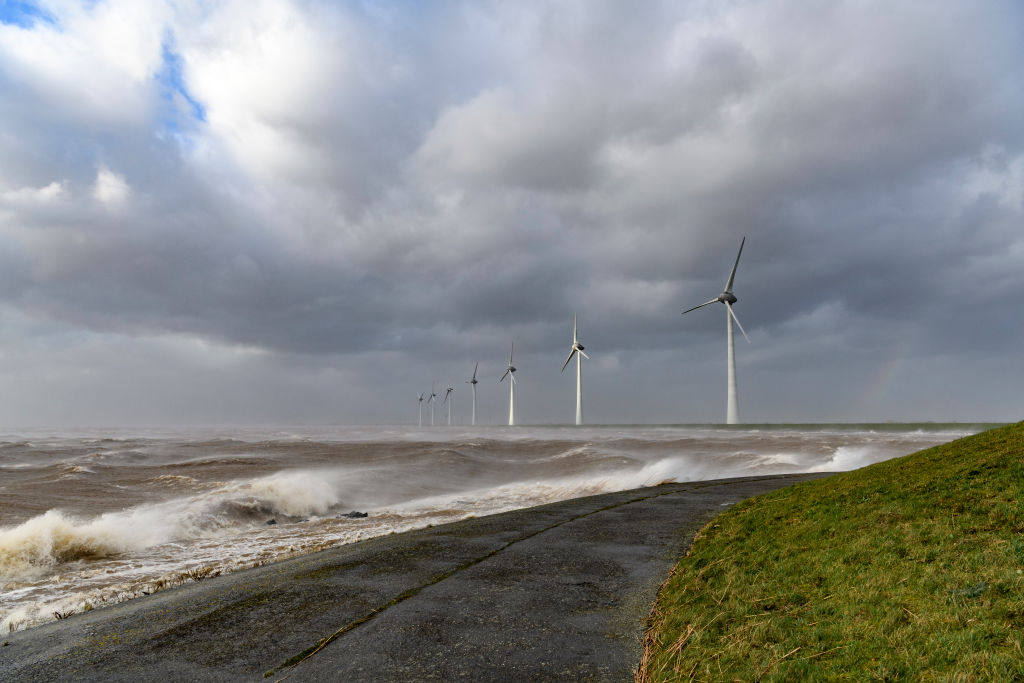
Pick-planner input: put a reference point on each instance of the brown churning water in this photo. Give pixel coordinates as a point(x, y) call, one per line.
point(89, 520)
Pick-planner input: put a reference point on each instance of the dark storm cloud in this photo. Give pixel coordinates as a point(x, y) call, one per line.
point(427, 182)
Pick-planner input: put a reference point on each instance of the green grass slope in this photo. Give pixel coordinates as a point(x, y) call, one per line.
point(908, 569)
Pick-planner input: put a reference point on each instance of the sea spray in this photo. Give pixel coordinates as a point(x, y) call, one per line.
point(51, 539)
point(297, 493)
point(86, 522)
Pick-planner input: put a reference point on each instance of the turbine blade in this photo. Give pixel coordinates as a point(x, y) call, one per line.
point(571, 354)
point(737, 321)
point(573, 328)
point(732, 275)
point(511, 352)
point(706, 303)
point(475, 368)
point(503, 376)
point(512, 376)
point(584, 355)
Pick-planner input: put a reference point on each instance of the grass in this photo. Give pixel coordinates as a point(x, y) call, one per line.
point(908, 569)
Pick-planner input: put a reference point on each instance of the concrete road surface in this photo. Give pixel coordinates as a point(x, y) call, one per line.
point(552, 593)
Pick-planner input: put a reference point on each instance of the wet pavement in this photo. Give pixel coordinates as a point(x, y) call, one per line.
point(557, 592)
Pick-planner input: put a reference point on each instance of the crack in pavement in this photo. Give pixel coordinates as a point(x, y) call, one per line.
point(411, 592)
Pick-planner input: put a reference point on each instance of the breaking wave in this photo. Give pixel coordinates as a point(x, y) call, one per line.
point(89, 521)
point(55, 538)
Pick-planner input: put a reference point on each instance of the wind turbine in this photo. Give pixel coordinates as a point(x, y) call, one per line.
point(432, 400)
point(510, 372)
point(473, 382)
point(577, 348)
point(728, 298)
point(449, 392)
point(421, 409)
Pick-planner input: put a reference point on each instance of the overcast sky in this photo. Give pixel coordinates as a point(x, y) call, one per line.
point(261, 211)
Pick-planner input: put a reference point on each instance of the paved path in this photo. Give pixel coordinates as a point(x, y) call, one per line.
point(558, 592)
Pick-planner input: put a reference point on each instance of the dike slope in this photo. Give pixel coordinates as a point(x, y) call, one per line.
point(911, 568)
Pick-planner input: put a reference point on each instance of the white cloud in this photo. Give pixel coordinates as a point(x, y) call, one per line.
point(33, 196)
point(428, 178)
point(269, 75)
point(110, 188)
point(96, 61)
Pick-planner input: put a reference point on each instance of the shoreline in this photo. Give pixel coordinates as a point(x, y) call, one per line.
point(536, 592)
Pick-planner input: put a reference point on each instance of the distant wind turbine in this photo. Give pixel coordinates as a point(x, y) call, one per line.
point(421, 409)
point(728, 298)
point(577, 348)
point(432, 400)
point(510, 372)
point(447, 393)
point(473, 383)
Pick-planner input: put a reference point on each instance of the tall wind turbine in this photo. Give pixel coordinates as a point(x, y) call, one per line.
point(421, 409)
point(577, 348)
point(432, 400)
point(447, 393)
point(728, 298)
point(473, 383)
point(510, 372)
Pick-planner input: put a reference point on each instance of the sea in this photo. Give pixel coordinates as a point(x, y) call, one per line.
point(90, 518)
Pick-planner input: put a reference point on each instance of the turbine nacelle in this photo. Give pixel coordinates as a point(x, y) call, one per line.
point(576, 346)
point(511, 368)
point(727, 297)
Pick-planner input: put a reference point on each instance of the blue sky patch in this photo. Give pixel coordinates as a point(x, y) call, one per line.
point(24, 14)
point(172, 86)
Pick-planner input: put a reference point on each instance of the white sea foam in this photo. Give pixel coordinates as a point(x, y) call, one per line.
point(848, 458)
point(211, 517)
point(53, 538)
point(298, 493)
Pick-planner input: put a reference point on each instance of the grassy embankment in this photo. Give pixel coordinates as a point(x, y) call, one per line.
point(911, 568)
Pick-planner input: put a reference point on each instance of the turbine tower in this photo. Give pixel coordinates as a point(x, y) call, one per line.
point(728, 298)
point(510, 372)
point(577, 348)
point(421, 409)
point(447, 393)
point(473, 383)
point(432, 400)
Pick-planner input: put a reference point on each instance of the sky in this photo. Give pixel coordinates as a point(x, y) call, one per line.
point(307, 212)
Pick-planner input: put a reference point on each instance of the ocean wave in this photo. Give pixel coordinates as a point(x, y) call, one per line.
point(176, 480)
point(54, 538)
point(207, 501)
point(298, 493)
point(848, 458)
point(71, 470)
